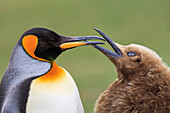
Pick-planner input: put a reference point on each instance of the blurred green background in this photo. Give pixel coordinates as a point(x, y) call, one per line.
point(145, 22)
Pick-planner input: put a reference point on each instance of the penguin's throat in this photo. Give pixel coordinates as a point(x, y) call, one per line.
point(55, 73)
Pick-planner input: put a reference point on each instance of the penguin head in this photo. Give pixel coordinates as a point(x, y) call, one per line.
point(132, 59)
point(46, 45)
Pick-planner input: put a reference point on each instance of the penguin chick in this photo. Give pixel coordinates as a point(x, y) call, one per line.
point(33, 82)
point(143, 83)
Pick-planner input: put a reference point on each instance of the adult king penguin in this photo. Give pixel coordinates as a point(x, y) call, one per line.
point(33, 82)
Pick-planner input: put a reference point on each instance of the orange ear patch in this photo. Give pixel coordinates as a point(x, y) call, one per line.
point(30, 43)
point(54, 74)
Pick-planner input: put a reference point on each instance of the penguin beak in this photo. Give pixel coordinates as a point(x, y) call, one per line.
point(106, 52)
point(72, 42)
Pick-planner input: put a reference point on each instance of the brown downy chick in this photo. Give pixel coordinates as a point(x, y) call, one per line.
point(143, 83)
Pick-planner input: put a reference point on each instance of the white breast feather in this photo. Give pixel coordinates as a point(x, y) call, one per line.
point(57, 97)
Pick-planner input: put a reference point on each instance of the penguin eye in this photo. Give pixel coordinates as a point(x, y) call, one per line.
point(131, 54)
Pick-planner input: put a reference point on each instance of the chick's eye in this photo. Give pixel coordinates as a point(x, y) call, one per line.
point(131, 54)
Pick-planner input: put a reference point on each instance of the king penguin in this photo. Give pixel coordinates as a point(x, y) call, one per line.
point(33, 82)
point(142, 84)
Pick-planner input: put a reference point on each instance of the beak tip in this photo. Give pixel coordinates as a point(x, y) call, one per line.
point(103, 39)
point(95, 29)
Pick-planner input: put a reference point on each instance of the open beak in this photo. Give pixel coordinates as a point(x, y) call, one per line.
point(72, 42)
point(108, 53)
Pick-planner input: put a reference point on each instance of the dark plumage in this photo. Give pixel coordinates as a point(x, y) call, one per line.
point(143, 83)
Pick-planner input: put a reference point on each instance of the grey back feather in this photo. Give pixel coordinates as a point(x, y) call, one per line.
point(14, 88)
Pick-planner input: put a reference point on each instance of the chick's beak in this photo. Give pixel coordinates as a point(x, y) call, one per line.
point(72, 42)
point(106, 52)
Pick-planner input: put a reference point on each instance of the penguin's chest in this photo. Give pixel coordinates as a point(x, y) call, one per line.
point(51, 95)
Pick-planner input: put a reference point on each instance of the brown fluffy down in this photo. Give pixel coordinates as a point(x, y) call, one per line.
point(142, 86)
